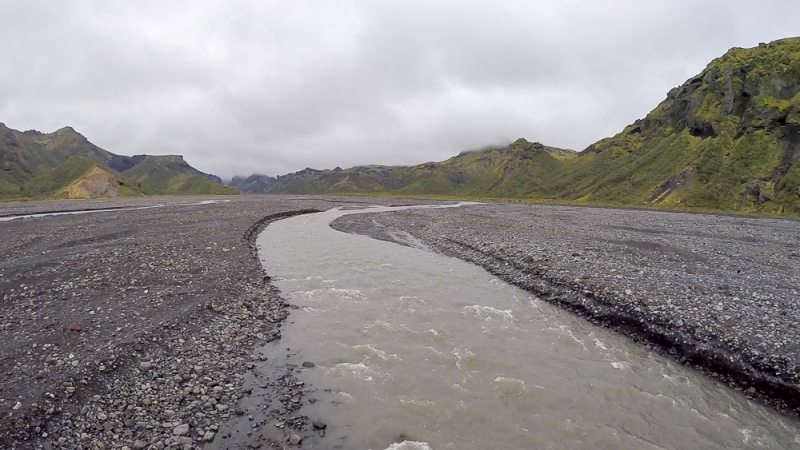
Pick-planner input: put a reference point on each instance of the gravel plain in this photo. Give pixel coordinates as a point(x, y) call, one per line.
point(717, 292)
point(142, 328)
point(157, 328)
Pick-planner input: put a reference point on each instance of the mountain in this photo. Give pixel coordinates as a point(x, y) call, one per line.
point(64, 164)
point(254, 184)
point(727, 139)
point(170, 174)
point(492, 171)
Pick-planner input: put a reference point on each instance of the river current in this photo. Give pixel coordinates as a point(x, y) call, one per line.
point(415, 350)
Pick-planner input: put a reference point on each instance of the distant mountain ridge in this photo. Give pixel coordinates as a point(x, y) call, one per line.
point(254, 184)
point(468, 174)
point(64, 164)
point(727, 139)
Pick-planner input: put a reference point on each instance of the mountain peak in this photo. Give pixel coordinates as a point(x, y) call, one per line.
point(57, 164)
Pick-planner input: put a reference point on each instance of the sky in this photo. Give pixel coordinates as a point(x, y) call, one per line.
point(272, 87)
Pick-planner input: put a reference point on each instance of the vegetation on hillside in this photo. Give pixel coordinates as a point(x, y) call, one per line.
point(56, 165)
point(727, 140)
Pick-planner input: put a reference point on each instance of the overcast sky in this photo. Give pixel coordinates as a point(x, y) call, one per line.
point(275, 86)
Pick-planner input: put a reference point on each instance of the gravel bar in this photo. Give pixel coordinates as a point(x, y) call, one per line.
point(717, 292)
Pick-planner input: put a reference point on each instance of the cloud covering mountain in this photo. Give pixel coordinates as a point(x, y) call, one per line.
point(272, 87)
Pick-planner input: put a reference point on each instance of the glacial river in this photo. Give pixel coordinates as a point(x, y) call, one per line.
point(414, 350)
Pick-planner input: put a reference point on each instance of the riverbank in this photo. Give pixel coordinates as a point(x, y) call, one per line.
point(715, 292)
point(138, 328)
point(144, 328)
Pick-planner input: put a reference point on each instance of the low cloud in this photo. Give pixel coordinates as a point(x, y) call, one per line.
point(272, 87)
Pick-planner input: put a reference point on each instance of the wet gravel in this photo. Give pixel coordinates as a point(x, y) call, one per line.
point(721, 293)
point(144, 328)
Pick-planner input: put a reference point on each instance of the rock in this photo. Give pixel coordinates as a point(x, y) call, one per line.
point(254, 444)
point(145, 366)
point(74, 327)
point(308, 364)
point(181, 430)
point(147, 402)
point(319, 425)
point(139, 444)
point(294, 439)
point(209, 436)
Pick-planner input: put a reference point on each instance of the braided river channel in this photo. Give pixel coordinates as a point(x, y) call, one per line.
point(415, 350)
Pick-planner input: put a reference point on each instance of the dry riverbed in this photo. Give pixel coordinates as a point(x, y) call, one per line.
point(721, 293)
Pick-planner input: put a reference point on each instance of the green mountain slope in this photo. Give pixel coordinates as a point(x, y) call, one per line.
point(65, 164)
point(254, 184)
point(493, 172)
point(172, 175)
point(727, 139)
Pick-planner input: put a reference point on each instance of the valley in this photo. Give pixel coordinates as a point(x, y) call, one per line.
point(124, 326)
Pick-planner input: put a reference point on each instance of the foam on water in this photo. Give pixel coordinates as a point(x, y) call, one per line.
point(324, 294)
point(358, 370)
point(511, 386)
point(487, 313)
point(369, 352)
point(409, 445)
point(620, 365)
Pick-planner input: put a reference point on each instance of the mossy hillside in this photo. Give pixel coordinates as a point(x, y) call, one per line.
point(727, 139)
point(53, 183)
point(47, 184)
point(39, 165)
point(482, 172)
point(253, 184)
point(171, 175)
point(727, 133)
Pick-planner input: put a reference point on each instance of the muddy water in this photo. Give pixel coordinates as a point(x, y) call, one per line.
point(413, 350)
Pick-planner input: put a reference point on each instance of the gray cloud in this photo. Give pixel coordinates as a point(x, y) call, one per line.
point(271, 87)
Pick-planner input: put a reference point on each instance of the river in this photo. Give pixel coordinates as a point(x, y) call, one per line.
point(415, 350)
